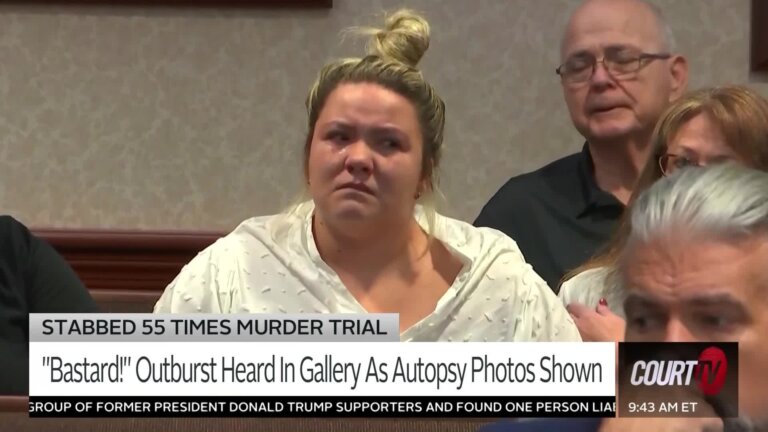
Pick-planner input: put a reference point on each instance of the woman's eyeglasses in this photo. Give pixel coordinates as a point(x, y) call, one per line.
point(670, 162)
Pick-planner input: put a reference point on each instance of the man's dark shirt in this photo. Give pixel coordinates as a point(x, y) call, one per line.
point(33, 278)
point(558, 215)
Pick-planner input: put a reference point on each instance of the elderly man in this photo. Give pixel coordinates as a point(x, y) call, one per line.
point(695, 269)
point(618, 74)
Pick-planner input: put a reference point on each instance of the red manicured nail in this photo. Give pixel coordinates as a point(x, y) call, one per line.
point(604, 302)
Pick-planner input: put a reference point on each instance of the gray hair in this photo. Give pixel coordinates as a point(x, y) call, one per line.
point(722, 201)
point(665, 31)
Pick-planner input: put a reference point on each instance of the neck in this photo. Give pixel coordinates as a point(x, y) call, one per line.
point(618, 164)
point(367, 249)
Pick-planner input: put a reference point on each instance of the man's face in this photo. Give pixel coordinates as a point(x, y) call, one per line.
point(607, 106)
point(680, 290)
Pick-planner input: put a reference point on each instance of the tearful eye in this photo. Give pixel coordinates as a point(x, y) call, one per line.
point(683, 162)
point(390, 144)
point(338, 136)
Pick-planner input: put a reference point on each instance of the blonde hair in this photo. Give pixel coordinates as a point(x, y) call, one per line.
point(393, 53)
point(740, 114)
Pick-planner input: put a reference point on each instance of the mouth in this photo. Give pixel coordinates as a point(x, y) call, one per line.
point(360, 187)
point(604, 109)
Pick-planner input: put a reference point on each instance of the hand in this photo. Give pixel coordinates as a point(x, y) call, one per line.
point(597, 325)
point(672, 424)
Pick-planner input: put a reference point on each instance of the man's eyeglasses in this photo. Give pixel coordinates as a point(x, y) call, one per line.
point(619, 63)
point(670, 162)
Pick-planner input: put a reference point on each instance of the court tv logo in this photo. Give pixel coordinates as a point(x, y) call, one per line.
point(678, 379)
point(708, 372)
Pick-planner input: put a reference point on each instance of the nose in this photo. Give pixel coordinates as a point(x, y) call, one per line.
point(600, 75)
point(676, 331)
point(359, 158)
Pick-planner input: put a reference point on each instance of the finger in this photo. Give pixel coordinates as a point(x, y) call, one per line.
point(577, 309)
point(604, 310)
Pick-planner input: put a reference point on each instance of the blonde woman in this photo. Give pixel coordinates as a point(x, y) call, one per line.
point(368, 240)
point(707, 126)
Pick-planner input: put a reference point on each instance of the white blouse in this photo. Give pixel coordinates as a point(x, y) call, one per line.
point(589, 286)
point(271, 264)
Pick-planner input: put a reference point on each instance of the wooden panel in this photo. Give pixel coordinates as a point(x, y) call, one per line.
point(20, 422)
point(186, 3)
point(126, 271)
point(125, 301)
point(13, 403)
point(759, 43)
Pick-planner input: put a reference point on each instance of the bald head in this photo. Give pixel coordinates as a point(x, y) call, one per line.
point(638, 17)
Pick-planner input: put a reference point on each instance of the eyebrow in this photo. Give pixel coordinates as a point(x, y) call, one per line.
point(640, 300)
point(387, 130)
point(376, 129)
point(720, 299)
point(683, 150)
point(336, 124)
point(609, 48)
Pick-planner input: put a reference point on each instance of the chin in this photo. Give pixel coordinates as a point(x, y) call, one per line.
point(352, 211)
point(610, 125)
point(611, 131)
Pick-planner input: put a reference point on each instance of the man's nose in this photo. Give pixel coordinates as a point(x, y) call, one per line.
point(600, 74)
point(677, 331)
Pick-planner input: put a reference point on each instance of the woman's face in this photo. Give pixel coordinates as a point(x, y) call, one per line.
point(365, 156)
point(698, 142)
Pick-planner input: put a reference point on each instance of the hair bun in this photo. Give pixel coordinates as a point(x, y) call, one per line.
point(405, 38)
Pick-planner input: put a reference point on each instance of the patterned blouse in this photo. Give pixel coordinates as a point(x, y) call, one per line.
point(271, 264)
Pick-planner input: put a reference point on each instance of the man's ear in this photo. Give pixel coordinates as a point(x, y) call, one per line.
point(678, 71)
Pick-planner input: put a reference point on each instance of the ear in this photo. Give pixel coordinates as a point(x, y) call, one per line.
point(419, 190)
point(307, 149)
point(678, 71)
point(424, 186)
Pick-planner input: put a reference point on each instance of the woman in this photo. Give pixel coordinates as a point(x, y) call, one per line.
point(362, 243)
point(703, 127)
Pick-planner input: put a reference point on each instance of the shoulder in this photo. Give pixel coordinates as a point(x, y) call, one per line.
point(17, 243)
point(499, 270)
point(546, 178)
point(9, 223)
point(493, 258)
point(540, 315)
point(206, 283)
point(11, 230)
point(477, 243)
point(252, 236)
point(48, 282)
point(528, 190)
